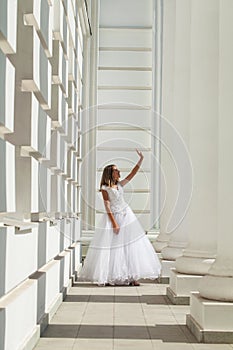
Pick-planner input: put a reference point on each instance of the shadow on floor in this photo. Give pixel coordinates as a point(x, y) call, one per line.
point(166, 333)
point(146, 299)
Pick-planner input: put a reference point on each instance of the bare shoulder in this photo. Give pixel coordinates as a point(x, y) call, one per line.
point(104, 194)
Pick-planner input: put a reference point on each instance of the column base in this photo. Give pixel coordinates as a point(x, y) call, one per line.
point(210, 321)
point(180, 287)
point(172, 253)
point(167, 265)
point(175, 299)
point(165, 270)
point(194, 265)
point(163, 280)
point(217, 288)
point(158, 245)
point(161, 242)
point(174, 249)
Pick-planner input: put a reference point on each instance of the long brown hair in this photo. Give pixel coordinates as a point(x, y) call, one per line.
point(106, 178)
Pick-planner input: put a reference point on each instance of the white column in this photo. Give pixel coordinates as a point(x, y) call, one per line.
point(85, 137)
point(203, 141)
point(168, 38)
point(156, 113)
point(93, 111)
point(181, 104)
point(217, 285)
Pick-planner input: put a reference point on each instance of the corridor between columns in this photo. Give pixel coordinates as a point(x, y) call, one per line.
point(107, 318)
point(82, 84)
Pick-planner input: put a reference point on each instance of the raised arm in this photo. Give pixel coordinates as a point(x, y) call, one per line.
point(115, 225)
point(134, 170)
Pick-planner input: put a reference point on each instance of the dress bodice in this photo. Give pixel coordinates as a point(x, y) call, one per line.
point(116, 198)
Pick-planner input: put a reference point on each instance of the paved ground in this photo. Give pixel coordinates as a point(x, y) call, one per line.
point(114, 318)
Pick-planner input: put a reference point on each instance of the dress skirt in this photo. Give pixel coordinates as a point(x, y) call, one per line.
point(120, 258)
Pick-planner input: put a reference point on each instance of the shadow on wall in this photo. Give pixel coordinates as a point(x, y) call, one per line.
point(42, 248)
point(3, 235)
point(40, 277)
point(2, 285)
point(61, 258)
point(62, 271)
point(2, 328)
point(72, 260)
point(62, 235)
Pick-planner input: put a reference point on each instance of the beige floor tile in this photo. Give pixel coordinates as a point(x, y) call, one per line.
point(158, 311)
point(126, 291)
point(108, 290)
point(54, 343)
point(97, 320)
point(127, 299)
point(89, 331)
point(179, 308)
point(129, 316)
point(112, 318)
point(155, 300)
point(72, 319)
point(133, 332)
point(90, 344)
point(168, 333)
point(76, 298)
point(61, 331)
point(156, 344)
point(129, 312)
point(52, 347)
point(155, 307)
point(72, 306)
point(99, 309)
point(211, 347)
point(161, 320)
point(102, 298)
point(135, 322)
point(128, 344)
point(174, 346)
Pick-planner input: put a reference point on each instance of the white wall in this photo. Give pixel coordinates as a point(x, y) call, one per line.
point(41, 68)
point(125, 97)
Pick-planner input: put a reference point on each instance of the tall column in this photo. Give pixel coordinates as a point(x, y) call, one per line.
point(85, 68)
point(203, 142)
point(217, 285)
point(156, 113)
point(181, 104)
point(93, 111)
point(166, 110)
point(85, 137)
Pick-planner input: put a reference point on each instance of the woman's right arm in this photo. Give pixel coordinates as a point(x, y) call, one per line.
point(115, 225)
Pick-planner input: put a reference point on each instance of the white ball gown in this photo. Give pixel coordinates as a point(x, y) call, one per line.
point(119, 258)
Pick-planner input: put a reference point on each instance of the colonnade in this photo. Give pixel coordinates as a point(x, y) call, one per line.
point(49, 69)
point(197, 100)
point(42, 48)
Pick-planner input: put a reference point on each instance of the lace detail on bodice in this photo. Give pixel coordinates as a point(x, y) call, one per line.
point(116, 198)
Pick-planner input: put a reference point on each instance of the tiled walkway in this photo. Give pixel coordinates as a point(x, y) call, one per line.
point(107, 318)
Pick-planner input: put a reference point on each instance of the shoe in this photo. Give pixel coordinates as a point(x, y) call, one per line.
point(134, 283)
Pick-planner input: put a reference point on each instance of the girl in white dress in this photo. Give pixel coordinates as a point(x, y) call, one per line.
point(120, 252)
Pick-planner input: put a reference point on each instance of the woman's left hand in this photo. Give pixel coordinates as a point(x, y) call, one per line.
point(140, 154)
